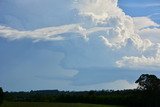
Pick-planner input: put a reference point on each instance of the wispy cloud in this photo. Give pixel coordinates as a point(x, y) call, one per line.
point(49, 33)
point(154, 16)
point(141, 5)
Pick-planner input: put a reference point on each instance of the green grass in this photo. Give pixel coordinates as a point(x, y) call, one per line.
point(40, 104)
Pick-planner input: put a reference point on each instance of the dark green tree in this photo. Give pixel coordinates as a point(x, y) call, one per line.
point(1, 95)
point(148, 82)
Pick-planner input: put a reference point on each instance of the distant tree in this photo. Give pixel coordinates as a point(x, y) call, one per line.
point(148, 82)
point(1, 95)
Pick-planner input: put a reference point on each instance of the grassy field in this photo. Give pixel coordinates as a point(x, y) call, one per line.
point(39, 104)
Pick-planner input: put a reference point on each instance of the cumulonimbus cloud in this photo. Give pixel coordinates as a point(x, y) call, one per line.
point(110, 18)
point(103, 19)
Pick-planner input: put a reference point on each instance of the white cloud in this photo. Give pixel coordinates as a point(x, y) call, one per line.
point(97, 9)
point(152, 61)
point(144, 29)
point(143, 22)
point(111, 15)
point(147, 29)
point(139, 62)
point(151, 57)
point(152, 34)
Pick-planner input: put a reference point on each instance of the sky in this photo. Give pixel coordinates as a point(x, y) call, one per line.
point(78, 44)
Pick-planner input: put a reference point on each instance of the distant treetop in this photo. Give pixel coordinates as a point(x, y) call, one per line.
point(148, 82)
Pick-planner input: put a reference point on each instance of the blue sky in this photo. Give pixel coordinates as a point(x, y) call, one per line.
point(78, 44)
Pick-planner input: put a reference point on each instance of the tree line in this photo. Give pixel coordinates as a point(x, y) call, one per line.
point(146, 95)
point(1, 95)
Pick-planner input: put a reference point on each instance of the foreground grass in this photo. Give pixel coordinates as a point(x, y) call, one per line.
point(40, 104)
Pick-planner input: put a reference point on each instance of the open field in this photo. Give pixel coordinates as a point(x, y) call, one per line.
point(40, 104)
